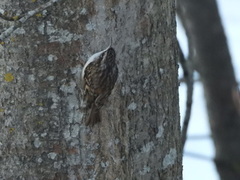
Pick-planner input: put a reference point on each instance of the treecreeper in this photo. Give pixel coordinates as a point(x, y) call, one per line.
point(99, 76)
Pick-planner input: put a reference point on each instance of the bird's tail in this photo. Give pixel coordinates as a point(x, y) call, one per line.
point(94, 116)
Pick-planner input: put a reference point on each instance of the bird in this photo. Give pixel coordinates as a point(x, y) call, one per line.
point(99, 76)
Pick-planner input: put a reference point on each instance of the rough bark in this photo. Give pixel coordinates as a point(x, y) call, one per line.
point(43, 135)
point(209, 52)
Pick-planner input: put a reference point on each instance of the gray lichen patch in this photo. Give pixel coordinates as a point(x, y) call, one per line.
point(170, 158)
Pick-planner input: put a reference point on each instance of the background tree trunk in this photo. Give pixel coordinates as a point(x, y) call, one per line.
point(210, 56)
point(43, 135)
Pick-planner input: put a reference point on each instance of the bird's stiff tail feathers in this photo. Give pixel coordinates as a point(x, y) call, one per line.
point(94, 116)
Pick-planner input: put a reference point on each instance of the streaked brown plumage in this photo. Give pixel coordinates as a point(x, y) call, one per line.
point(99, 76)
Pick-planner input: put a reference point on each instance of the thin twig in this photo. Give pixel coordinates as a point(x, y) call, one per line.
point(199, 137)
point(22, 20)
point(12, 18)
point(188, 75)
point(198, 156)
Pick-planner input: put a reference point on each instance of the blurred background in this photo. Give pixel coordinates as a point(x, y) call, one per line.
point(199, 149)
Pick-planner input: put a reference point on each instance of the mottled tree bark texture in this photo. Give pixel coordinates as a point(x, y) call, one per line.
point(42, 114)
point(211, 58)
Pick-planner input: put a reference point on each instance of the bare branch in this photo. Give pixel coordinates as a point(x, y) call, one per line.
point(188, 76)
point(212, 59)
point(23, 19)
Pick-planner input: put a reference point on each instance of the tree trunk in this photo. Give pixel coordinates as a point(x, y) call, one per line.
point(43, 135)
point(211, 58)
